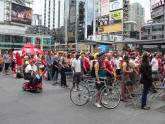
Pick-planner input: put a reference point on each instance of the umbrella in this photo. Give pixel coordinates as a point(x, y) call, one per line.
point(30, 49)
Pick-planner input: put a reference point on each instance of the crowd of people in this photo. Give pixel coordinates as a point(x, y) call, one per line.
point(128, 65)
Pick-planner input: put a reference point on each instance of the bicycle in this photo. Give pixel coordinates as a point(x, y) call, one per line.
point(109, 95)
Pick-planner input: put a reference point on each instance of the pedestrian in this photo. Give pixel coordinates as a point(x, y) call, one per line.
point(55, 70)
point(146, 80)
point(6, 59)
point(49, 64)
point(125, 78)
point(1, 62)
point(64, 66)
point(76, 65)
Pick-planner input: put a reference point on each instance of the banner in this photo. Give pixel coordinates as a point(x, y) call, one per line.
point(21, 14)
point(115, 17)
point(104, 20)
point(104, 7)
point(110, 28)
point(115, 5)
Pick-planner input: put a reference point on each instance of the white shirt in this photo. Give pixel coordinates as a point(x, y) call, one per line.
point(116, 63)
point(132, 63)
point(154, 64)
point(76, 64)
point(28, 68)
point(34, 68)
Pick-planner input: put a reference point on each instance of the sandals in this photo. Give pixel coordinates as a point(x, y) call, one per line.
point(146, 108)
point(124, 100)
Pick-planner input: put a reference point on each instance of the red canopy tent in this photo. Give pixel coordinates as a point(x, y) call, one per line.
point(31, 49)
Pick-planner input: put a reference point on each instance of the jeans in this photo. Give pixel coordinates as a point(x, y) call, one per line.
point(144, 95)
point(49, 72)
point(55, 75)
point(63, 77)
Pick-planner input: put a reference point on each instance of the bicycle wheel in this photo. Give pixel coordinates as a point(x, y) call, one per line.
point(81, 96)
point(110, 97)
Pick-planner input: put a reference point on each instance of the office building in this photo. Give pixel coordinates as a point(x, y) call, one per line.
point(137, 14)
point(155, 29)
point(53, 14)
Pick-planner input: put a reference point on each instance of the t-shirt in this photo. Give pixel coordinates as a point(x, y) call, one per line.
point(34, 68)
point(117, 63)
point(76, 64)
point(101, 68)
point(87, 64)
point(6, 58)
point(154, 63)
point(28, 68)
point(109, 65)
point(55, 63)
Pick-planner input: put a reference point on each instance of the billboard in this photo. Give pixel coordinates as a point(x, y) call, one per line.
point(115, 17)
point(110, 28)
point(104, 20)
point(156, 3)
point(115, 5)
point(21, 14)
point(104, 7)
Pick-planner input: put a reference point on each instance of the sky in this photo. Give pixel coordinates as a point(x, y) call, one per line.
point(39, 5)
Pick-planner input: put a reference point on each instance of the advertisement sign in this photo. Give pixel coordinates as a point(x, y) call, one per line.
point(157, 12)
point(46, 42)
point(72, 17)
point(110, 28)
point(104, 7)
point(21, 14)
point(156, 3)
point(115, 17)
point(115, 5)
point(104, 20)
point(104, 48)
point(72, 20)
point(115, 38)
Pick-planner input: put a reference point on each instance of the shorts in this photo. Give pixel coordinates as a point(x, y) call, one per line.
point(7, 66)
point(77, 77)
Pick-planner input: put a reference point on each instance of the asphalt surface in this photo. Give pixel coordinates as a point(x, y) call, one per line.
point(53, 106)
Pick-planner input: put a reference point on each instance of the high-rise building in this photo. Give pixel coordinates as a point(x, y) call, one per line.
point(137, 14)
point(53, 14)
point(37, 19)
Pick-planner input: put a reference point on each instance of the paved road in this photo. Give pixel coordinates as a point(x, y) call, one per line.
point(53, 106)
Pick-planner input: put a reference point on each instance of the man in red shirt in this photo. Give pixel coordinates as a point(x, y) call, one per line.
point(20, 63)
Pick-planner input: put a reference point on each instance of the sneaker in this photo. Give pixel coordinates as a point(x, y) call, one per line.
point(104, 102)
point(105, 94)
point(79, 89)
point(74, 90)
point(97, 105)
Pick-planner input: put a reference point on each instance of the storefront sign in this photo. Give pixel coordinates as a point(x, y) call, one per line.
point(156, 3)
point(157, 12)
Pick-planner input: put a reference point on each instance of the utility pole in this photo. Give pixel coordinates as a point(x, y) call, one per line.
point(94, 18)
point(66, 22)
point(76, 26)
point(86, 19)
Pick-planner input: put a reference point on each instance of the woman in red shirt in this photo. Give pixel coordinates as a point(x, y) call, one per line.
point(86, 63)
